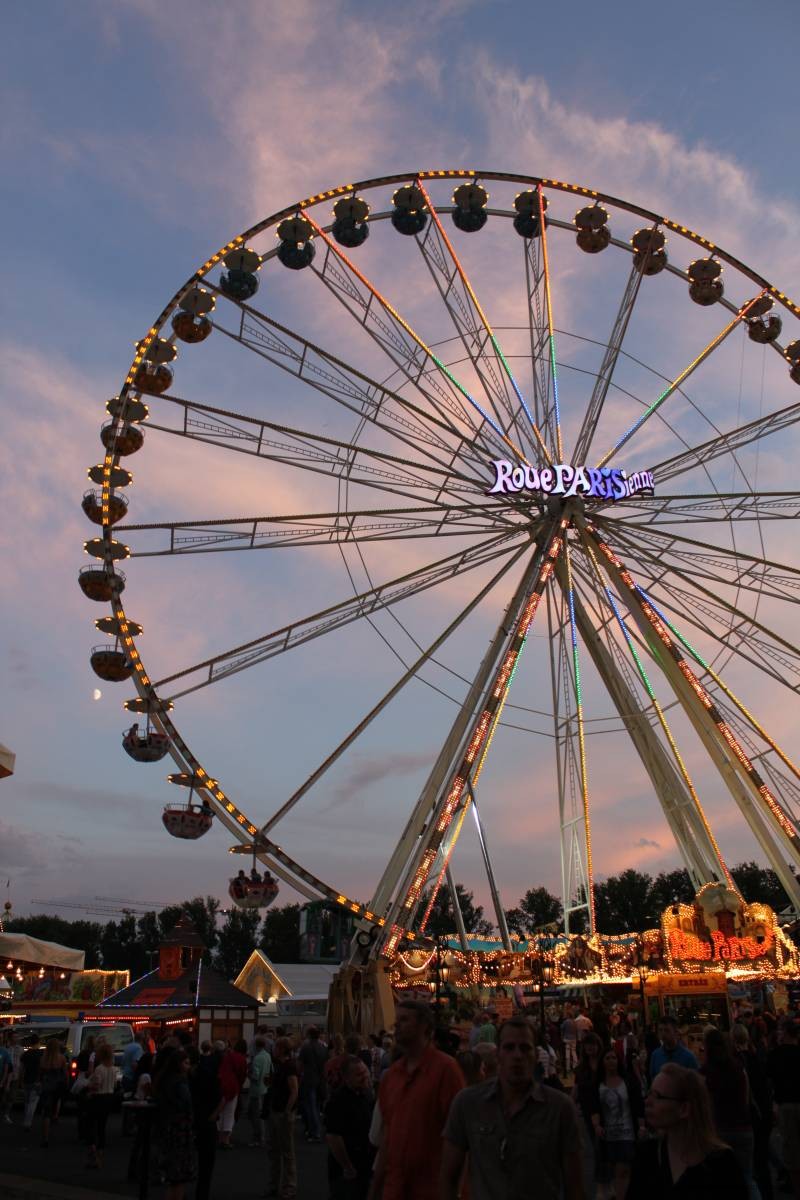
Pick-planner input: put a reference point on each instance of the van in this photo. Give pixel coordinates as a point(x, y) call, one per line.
point(74, 1036)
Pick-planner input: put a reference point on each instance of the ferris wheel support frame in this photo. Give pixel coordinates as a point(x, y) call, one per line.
point(453, 743)
point(699, 855)
point(441, 801)
point(739, 781)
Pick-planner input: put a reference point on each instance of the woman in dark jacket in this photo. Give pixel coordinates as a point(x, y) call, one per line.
point(176, 1150)
point(760, 1107)
point(729, 1090)
point(687, 1161)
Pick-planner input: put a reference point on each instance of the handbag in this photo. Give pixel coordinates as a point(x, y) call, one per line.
point(80, 1085)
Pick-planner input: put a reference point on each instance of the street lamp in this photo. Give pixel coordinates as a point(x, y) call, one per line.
point(641, 967)
point(544, 975)
point(442, 971)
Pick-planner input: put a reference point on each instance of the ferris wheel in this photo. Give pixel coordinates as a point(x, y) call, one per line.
point(546, 415)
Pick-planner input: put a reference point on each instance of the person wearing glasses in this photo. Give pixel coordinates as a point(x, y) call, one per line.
point(687, 1161)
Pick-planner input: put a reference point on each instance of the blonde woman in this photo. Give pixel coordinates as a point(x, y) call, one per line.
point(687, 1160)
point(102, 1082)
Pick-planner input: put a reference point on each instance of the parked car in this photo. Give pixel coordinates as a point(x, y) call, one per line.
point(74, 1035)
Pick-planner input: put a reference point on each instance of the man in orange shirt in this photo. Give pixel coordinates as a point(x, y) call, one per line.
point(414, 1098)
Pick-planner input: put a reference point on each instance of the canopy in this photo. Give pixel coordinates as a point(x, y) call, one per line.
point(6, 761)
point(19, 947)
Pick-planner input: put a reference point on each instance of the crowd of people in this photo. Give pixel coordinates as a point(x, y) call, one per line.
point(582, 1106)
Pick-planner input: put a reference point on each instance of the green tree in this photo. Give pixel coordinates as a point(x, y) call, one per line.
point(760, 884)
point(280, 934)
point(624, 903)
point(442, 919)
point(238, 938)
point(121, 947)
point(203, 914)
point(537, 908)
point(670, 886)
point(78, 935)
point(148, 938)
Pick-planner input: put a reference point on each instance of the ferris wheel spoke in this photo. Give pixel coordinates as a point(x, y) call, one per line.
point(728, 625)
point(711, 506)
point(248, 654)
point(552, 411)
point(605, 375)
point(679, 380)
point(474, 330)
point(707, 559)
point(313, 529)
point(329, 375)
point(412, 672)
point(726, 443)
point(737, 705)
point(738, 624)
point(408, 351)
point(346, 461)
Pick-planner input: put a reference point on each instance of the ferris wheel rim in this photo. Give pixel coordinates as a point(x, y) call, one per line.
point(184, 758)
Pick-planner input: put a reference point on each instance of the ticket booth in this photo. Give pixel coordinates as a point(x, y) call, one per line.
point(695, 1000)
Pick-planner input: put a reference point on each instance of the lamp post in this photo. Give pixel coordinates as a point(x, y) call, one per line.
point(544, 975)
point(640, 964)
point(442, 972)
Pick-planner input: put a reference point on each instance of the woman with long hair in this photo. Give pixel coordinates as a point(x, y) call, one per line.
point(53, 1080)
point(176, 1149)
point(100, 1091)
point(585, 1093)
point(761, 1102)
point(687, 1160)
point(729, 1089)
point(619, 1121)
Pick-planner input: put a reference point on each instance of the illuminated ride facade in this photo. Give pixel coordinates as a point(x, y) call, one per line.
point(470, 482)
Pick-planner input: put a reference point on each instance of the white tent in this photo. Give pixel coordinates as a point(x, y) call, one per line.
point(6, 761)
point(19, 947)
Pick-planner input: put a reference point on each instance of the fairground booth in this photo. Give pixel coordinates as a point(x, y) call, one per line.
point(47, 979)
point(183, 992)
point(704, 961)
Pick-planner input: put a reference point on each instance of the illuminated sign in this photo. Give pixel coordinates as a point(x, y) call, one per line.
point(599, 483)
point(719, 949)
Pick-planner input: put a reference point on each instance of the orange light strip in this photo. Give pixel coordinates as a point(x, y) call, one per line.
point(464, 279)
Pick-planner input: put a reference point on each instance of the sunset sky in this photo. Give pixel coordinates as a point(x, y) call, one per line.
point(137, 138)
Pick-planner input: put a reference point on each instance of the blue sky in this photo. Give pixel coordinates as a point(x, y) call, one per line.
point(137, 138)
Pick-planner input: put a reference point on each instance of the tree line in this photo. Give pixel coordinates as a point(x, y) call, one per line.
point(624, 903)
point(132, 942)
